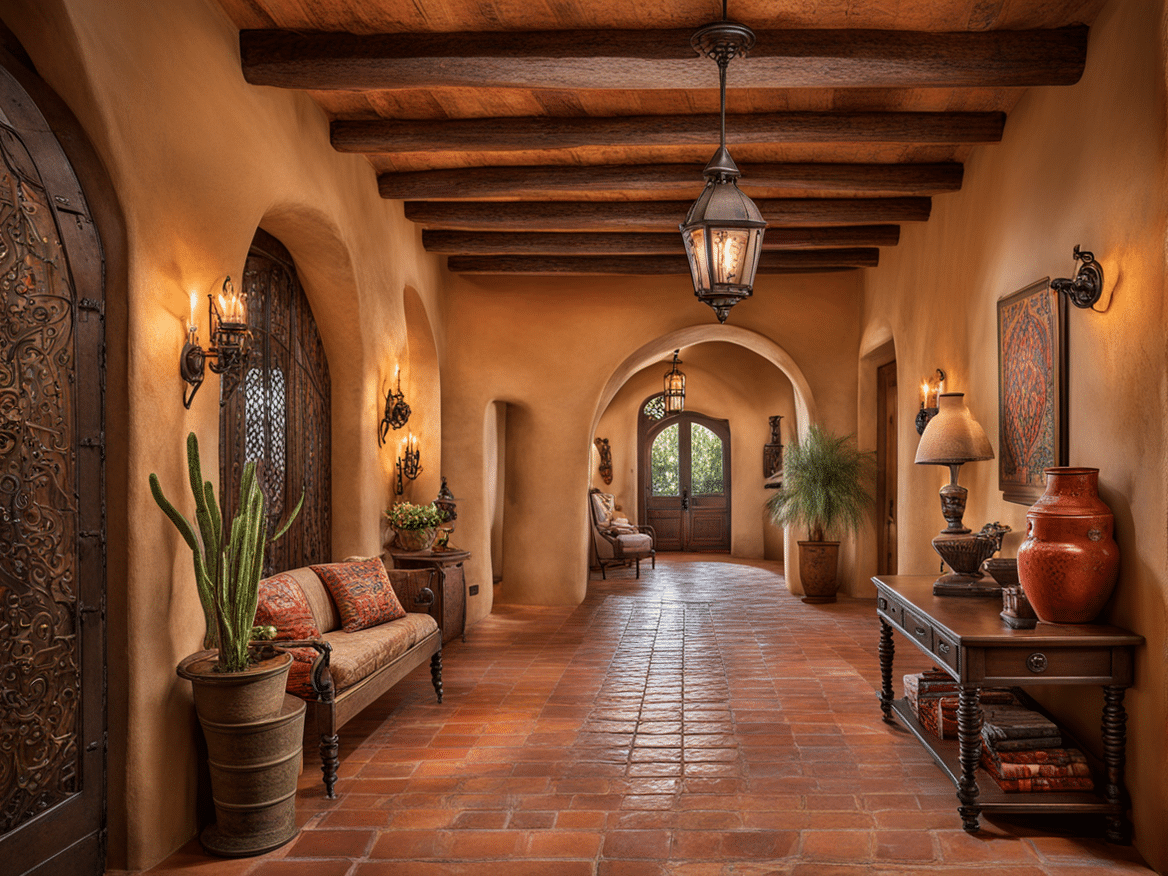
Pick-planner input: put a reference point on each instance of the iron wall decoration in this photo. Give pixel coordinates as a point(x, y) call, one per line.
point(409, 464)
point(1032, 392)
point(605, 460)
point(52, 501)
point(1086, 287)
point(280, 415)
point(227, 326)
point(397, 412)
point(772, 452)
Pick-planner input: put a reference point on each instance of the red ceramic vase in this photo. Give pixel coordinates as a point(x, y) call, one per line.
point(1069, 562)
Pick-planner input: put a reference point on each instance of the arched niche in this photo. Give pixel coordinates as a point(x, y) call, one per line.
point(422, 385)
point(877, 348)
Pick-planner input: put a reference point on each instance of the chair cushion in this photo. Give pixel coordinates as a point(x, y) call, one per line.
point(362, 593)
point(638, 543)
point(282, 604)
point(355, 655)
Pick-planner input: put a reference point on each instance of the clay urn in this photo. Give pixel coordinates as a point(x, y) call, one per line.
point(1069, 562)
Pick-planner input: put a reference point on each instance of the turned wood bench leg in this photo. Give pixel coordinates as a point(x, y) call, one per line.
point(329, 761)
point(436, 672)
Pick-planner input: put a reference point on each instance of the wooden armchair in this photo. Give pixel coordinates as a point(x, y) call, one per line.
point(618, 542)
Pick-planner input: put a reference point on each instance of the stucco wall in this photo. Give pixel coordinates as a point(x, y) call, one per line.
point(1077, 165)
point(199, 160)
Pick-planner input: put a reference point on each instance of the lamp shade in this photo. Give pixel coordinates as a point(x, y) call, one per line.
point(953, 436)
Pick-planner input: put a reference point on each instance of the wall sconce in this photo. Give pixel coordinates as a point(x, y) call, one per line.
point(605, 467)
point(409, 464)
point(1087, 285)
point(772, 455)
point(397, 412)
point(228, 352)
point(930, 398)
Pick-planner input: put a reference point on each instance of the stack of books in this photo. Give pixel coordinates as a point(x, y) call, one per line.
point(1023, 751)
point(932, 696)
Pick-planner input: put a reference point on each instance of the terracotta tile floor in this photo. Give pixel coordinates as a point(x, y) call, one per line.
point(699, 721)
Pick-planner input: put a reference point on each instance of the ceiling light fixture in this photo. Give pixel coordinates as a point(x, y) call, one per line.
point(723, 230)
point(674, 388)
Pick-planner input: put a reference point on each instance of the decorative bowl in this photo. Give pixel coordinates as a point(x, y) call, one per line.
point(1004, 570)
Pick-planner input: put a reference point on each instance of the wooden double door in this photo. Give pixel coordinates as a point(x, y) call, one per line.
point(685, 482)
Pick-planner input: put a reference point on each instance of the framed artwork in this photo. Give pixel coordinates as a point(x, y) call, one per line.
point(1032, 390)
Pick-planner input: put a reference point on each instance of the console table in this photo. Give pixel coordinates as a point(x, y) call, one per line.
point(967, 638)
point(449, 606)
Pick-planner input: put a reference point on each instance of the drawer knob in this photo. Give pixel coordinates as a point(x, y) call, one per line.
point(920, 631)
point(1036, 662)
point(943, 647)
point(882, 603)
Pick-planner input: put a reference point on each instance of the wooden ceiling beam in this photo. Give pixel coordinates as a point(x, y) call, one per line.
point(652, 215)
point(662, 59)
point(393, 136)
point(664, 181)
point(643, 243)
point(769, 263)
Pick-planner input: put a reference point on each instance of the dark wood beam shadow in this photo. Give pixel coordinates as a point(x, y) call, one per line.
point(661, 59)
point(652, 215)
point(643, 243)
point(769, 263)
point(392, 137)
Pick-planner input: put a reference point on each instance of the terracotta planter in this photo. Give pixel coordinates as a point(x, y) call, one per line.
point(1069, 562)
point(414, 539)
point(254, 736)
point(818, 564)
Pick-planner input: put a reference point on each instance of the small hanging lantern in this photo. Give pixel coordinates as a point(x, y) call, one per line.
point(674, 388)
point(723, 230)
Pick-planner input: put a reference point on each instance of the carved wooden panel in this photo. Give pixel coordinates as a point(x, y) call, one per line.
point(52, 502)
point(280, 413)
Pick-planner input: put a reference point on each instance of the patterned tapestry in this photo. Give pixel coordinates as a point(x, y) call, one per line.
point(1029, 390)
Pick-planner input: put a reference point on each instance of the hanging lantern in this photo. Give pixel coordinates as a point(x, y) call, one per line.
point(674, 388)
point(723, 230)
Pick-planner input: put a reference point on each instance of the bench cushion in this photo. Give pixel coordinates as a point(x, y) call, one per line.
point(362, 593)
point(357, 654)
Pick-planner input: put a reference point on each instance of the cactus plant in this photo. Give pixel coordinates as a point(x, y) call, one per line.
point(227, 573)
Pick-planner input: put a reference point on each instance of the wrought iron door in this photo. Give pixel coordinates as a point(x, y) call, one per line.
point(279, 415)
point(52, 506)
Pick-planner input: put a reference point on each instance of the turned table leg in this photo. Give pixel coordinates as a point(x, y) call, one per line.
point(886, 651)
point(1114, 745)
point(969, 742)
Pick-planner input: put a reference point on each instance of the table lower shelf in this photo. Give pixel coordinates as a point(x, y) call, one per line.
point(991, 798)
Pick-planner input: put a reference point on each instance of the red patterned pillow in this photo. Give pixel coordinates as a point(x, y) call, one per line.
point(362, 593)
point(282, 605)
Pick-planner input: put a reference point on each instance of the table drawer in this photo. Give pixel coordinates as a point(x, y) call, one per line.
point(918, 629)
point(1078, 665)
point(891, 610)
point(946, 650)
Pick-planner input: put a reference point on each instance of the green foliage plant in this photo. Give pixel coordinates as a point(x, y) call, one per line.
point(227, 573)
point(824, 489)
point(404, 515)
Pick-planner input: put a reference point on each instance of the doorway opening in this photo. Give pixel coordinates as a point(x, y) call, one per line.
point(886, 474)
point(684, 478)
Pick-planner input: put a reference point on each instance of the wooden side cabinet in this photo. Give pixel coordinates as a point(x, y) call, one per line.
point(449, 586)
point(966, 637)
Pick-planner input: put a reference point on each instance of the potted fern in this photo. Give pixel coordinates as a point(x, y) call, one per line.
point(253, 732)
point(824, 490)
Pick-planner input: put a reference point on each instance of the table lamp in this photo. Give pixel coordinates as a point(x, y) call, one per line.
point(953, 437)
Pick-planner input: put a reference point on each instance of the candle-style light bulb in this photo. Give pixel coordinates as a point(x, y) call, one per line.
point(192, 325)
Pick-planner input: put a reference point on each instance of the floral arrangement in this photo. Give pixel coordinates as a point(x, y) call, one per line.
point(404, 515)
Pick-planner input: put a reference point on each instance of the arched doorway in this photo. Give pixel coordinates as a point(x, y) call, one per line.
point(280, 413)
point(684, 478)
point(52, 504)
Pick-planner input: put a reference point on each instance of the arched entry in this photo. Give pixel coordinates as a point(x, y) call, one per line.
point(52, 504)
point(281, 412)
point(684, 478)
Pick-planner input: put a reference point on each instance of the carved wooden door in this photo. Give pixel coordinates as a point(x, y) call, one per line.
point(886, 450)
point(52, 506)
point(685, 481)
point(279, 414)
